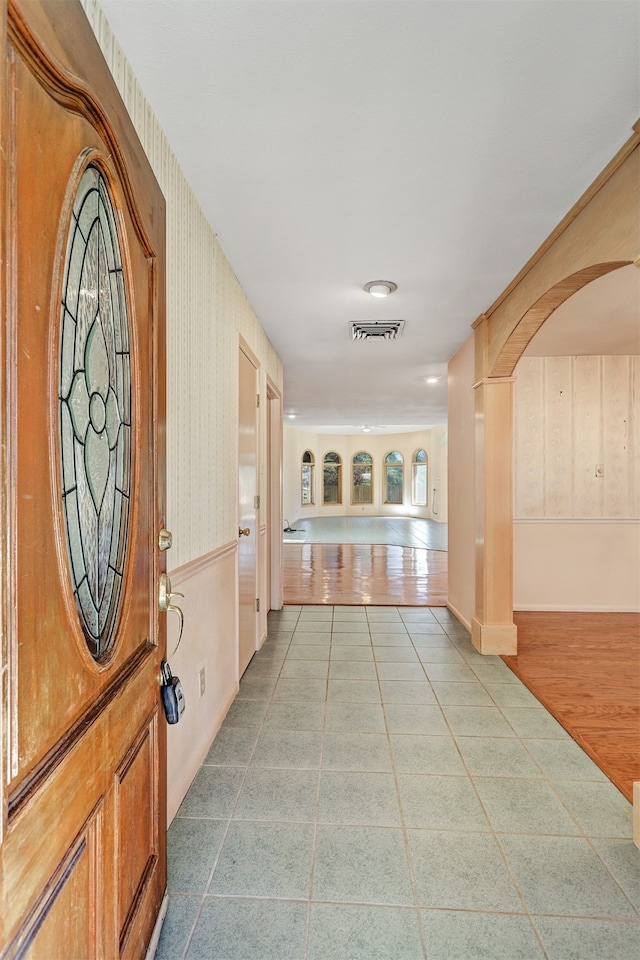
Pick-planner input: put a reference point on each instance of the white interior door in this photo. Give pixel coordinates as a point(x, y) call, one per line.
point(247, 492)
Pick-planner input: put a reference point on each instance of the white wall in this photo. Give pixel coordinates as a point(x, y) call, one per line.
point(207, 312)
point(577, 533)
point(461, 412)
point(589, 565)
point(296, 441)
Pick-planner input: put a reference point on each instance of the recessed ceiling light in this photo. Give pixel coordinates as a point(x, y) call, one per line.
point(431, 379)
point(366, 429)
point(291, 416)
point(380, 288)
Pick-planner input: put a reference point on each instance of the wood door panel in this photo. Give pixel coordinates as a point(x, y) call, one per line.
point(67, 797)
point(137, 835)
point(50, 669)
point(63, 912)
point(83, 855)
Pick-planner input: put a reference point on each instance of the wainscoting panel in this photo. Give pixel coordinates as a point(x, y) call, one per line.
point(209, 644)
point(590, 565)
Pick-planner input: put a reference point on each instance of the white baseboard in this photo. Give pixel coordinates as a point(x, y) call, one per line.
point(463, 620)
point(155, 936)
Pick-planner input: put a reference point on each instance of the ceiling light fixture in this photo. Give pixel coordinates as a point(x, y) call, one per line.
point(366, 429)
point(380, 288)
point(431, 379)
point(291, 416)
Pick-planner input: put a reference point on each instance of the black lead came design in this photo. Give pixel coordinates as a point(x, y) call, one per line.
point(95, 410)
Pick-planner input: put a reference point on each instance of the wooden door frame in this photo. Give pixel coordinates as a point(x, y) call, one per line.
point(5, 464)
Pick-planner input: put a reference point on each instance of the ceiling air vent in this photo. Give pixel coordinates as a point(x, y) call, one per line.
point(376, 329)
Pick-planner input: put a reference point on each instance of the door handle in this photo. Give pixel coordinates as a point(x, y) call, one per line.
point(165, 596)
point(243, 532)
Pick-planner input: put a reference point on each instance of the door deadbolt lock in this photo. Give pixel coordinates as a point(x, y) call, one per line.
point(165, 539)
point(243, 531)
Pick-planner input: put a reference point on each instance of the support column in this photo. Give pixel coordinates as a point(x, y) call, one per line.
point(492, 628)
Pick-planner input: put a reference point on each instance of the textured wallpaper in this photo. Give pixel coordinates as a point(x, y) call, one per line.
point(577, 438)
point(207, 311)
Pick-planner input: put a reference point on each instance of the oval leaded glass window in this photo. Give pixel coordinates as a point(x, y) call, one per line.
point(95, 410)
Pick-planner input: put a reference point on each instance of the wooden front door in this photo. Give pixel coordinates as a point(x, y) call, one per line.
point(247, 491)
point(83, 863)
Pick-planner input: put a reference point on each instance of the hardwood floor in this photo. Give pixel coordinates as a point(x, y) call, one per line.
point(585, 669)
point(359, 573)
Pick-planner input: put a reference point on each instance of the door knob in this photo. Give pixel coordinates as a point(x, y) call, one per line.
point(165, 596)
point(243, 531)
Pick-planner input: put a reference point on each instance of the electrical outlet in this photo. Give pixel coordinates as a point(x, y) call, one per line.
point(201, 676)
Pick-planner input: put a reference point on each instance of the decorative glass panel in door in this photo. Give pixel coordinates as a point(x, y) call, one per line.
point(95, 411)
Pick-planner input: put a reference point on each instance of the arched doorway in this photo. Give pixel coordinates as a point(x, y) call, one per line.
point(599, 235)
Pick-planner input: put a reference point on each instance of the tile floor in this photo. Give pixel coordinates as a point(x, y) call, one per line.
point(380, 791)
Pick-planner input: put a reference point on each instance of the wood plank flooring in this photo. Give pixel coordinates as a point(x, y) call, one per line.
point(360, 573)
point(585, 669)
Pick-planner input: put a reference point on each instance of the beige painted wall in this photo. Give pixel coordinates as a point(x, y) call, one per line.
point(434, 441)
point(461, 407)
point(207, 312)
point(210, 646)
point(577, 534)
point(576, 565)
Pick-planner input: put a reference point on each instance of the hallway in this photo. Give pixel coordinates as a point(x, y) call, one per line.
point(380, 790)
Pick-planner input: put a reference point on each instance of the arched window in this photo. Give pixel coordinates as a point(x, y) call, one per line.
point(419, 488)
point(393, 477)
point(332, 478)
point(307, 478)
point(362, 478)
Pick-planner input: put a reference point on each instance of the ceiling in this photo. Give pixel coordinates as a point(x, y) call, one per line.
point(434, 143)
